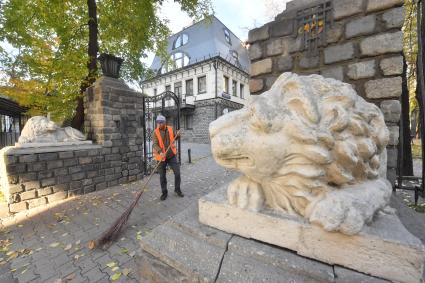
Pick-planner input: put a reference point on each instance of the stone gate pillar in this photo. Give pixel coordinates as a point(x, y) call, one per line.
point(113, 118)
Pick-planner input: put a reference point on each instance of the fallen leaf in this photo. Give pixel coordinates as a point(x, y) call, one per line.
point(111, 264)
point(78, 242)
point(116, 276)
point(126, 271)
point(23, 271)
point(124, 251)
point(132, 254)
point(64, 234)
point(20, 225)
point(68, 247)
point(115, 268)
point(92, 244)
point(70, 277)
point(13, 270)
point(54, 245)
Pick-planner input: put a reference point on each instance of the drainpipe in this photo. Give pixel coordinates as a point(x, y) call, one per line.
point(215, 65)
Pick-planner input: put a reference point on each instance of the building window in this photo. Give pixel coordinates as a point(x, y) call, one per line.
point(241, 88)
point(168, 88)
point(189, 87)
point(180, 41)
point(188, 122)
point(226, 84)
point(202, 84)
point(227, 36)
point(180, 60)
point(235, 55)
point(234, 87)
point(178, 88)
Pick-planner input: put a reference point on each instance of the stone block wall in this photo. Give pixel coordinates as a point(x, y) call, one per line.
point(363, 47)
point(205, 112)
point(31, 177)
point(113, 118)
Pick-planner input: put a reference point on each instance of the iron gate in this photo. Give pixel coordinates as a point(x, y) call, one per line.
point(167, 104)
point(411, 182)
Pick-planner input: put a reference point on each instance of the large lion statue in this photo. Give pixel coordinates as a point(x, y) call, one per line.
point(40, 129)
point(309, 146)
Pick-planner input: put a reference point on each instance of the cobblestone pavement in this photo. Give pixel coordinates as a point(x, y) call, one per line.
point(50, 244)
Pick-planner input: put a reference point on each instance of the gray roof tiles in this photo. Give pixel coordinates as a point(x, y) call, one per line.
point(207, 39)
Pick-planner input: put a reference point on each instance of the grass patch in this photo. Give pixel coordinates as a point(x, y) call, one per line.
point(418, 208)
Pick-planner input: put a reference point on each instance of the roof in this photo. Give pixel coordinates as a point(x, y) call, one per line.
point(10, 108)
point(206, 39)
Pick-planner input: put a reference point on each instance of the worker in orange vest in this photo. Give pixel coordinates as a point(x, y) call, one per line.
point(162, 136)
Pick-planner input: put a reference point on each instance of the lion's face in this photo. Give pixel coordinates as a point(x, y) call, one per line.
point(247, 140)
point(310, 126)
point(42, 125)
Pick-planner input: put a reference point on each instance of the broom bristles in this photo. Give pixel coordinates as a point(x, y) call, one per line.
point(115, 230)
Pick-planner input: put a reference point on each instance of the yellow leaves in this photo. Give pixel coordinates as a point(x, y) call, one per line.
point(111, 264)
point(68, 247)
point(54, 245)
point(139, 235)
point(116, 276)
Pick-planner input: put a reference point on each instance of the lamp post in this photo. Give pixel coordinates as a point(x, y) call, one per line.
point(110, 65)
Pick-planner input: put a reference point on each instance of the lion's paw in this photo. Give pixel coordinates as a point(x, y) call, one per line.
point(246, 194)
point(334, 214)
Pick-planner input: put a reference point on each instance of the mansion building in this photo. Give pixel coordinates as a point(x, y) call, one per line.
point(208, 71)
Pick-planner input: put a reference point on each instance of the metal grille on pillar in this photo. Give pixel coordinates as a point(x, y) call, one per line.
point(312, 24)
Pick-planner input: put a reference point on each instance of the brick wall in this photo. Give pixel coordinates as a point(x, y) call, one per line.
point(205, 112)
point(32, 177)
point(363, 47)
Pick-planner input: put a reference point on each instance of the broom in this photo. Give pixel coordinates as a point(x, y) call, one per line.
point(114, 231)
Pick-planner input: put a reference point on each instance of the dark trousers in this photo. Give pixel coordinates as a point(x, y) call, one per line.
point(172, 162)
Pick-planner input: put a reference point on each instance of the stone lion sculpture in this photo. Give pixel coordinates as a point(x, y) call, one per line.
point(309, 146)
point(40, 129)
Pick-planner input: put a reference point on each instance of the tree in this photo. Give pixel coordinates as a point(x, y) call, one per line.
point(55, 44)
point(408, 99)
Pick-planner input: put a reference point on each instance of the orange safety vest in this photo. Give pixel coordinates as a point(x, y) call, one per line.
point(161, 142)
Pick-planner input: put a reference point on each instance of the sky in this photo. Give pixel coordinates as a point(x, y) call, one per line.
point(238, 15)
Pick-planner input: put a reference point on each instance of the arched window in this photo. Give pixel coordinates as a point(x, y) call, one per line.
point(227, 36)
point(180, 40)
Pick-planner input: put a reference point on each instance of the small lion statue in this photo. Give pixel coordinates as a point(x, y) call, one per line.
point(309, 146)
point(40, 129)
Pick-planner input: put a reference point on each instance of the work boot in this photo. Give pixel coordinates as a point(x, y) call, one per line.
point(163, 196)
point(179, 193)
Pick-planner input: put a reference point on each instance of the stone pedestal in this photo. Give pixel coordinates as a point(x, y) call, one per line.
point(384, 249)
point(184, 250)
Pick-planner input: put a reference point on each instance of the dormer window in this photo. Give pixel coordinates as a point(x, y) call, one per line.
point(180, 41)
point(180, 60)
point(227, 36)
point(235, 55)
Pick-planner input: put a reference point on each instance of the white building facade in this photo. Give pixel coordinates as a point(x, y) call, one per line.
point(208, 73)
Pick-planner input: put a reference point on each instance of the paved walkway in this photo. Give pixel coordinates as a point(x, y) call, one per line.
point(50, 245)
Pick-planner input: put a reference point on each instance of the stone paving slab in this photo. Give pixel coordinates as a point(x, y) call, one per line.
point(49, 244)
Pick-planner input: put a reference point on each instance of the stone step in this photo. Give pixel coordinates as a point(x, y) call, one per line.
point(184, 250)
point(384, 249)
